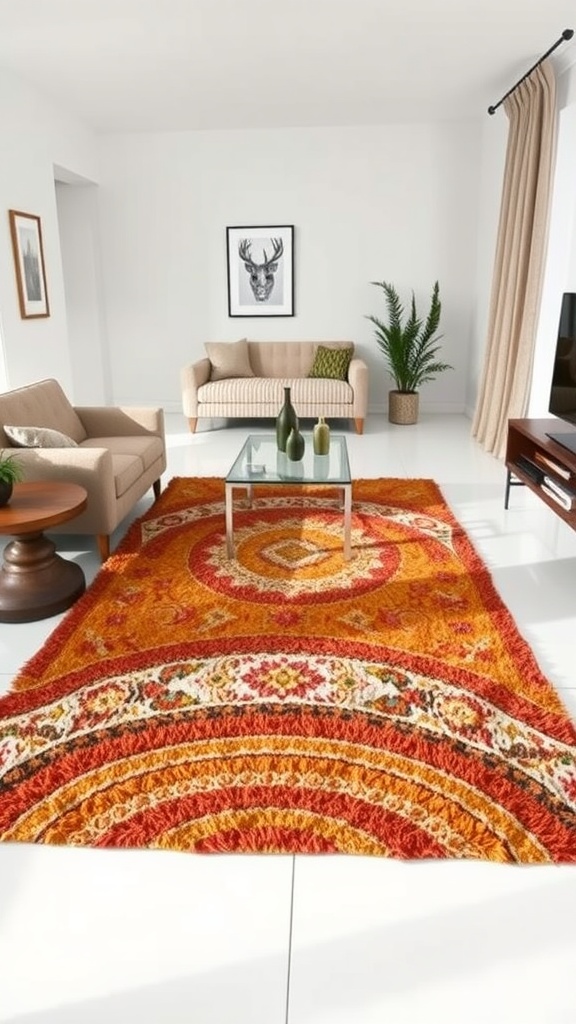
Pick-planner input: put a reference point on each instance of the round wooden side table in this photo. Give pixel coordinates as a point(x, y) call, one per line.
point(35, 582)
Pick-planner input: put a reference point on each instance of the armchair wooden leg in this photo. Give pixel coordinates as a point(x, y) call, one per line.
point(359, 425)
point(157, 486)
point(193, 423)
point(103, 545)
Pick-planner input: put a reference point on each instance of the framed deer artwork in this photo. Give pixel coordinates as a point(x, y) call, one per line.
point(260, 270)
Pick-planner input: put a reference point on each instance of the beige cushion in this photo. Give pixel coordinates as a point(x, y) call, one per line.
point(38, 437)
point(287, 358)
point(43, 404)
point(229, 359)
point(147, 447)
point(269, 391)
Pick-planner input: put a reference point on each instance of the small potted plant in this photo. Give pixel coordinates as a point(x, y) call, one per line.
point(10, 473)
point(409, 345)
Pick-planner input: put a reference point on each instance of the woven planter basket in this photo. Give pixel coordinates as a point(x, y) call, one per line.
point(403, 406)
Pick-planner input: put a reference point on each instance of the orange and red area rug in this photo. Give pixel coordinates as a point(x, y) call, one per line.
point(287, 700)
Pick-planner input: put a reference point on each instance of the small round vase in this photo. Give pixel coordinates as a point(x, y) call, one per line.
point(6, 489)
point(295, 445)
point(285, 421)
point(321, 437)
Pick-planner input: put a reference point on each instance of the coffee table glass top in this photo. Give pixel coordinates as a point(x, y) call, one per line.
point(259, 461)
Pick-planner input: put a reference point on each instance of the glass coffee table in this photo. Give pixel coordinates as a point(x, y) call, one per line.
point(260, 462)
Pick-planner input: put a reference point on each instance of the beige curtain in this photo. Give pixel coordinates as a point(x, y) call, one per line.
point(520, 258)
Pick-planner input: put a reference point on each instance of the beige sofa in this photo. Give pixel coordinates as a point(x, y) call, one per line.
point(116, 453)
point(277, 364)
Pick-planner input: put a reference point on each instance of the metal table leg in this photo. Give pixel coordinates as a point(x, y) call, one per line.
point(347, 521)
point(229, 495)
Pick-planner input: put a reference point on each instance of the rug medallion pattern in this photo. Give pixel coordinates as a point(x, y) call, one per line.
point(287, 700)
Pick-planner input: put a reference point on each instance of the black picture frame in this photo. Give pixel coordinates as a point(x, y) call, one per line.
point(260, 264)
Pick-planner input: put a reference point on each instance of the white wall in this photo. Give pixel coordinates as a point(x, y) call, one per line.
point(406, 203)
point(396, 203)
point(77, 204)
point(35, 136)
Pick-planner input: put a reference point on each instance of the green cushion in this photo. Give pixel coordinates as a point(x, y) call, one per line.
point(331, 362)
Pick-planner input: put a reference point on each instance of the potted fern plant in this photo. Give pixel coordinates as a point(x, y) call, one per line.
point(10, 474)
point(410, 345)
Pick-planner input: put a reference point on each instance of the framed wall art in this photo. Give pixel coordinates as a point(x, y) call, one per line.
point(26, 232)
point(260, 270)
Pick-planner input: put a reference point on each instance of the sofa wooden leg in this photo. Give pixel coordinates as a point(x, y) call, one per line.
point(193, 423)
point(103, 545)
point(157, 486)
point(359, 425)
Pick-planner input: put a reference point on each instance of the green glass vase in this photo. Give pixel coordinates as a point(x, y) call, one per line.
point(295, 445)
point(285, 421)
point(321, 437)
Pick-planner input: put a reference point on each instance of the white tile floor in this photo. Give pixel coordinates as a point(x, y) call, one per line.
point(159, 938)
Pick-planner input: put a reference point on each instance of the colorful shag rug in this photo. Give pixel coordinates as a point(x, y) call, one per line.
point(289, 701)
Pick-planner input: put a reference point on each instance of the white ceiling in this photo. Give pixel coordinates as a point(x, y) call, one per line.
point(169, 65)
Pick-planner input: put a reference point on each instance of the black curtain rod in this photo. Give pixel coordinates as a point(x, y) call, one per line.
point(567, 34)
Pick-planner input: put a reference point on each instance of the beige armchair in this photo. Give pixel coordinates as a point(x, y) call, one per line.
point(115, 453)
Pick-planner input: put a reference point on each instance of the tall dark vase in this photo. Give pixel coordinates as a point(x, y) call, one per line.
point(286, 421)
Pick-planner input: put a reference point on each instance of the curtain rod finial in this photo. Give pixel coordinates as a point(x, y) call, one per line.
point(568, 33)
point(491, 110)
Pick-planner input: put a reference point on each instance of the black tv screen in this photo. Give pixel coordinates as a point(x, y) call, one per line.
point(563, 387)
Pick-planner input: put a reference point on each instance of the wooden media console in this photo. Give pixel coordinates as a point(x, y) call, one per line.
point(546, 467)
